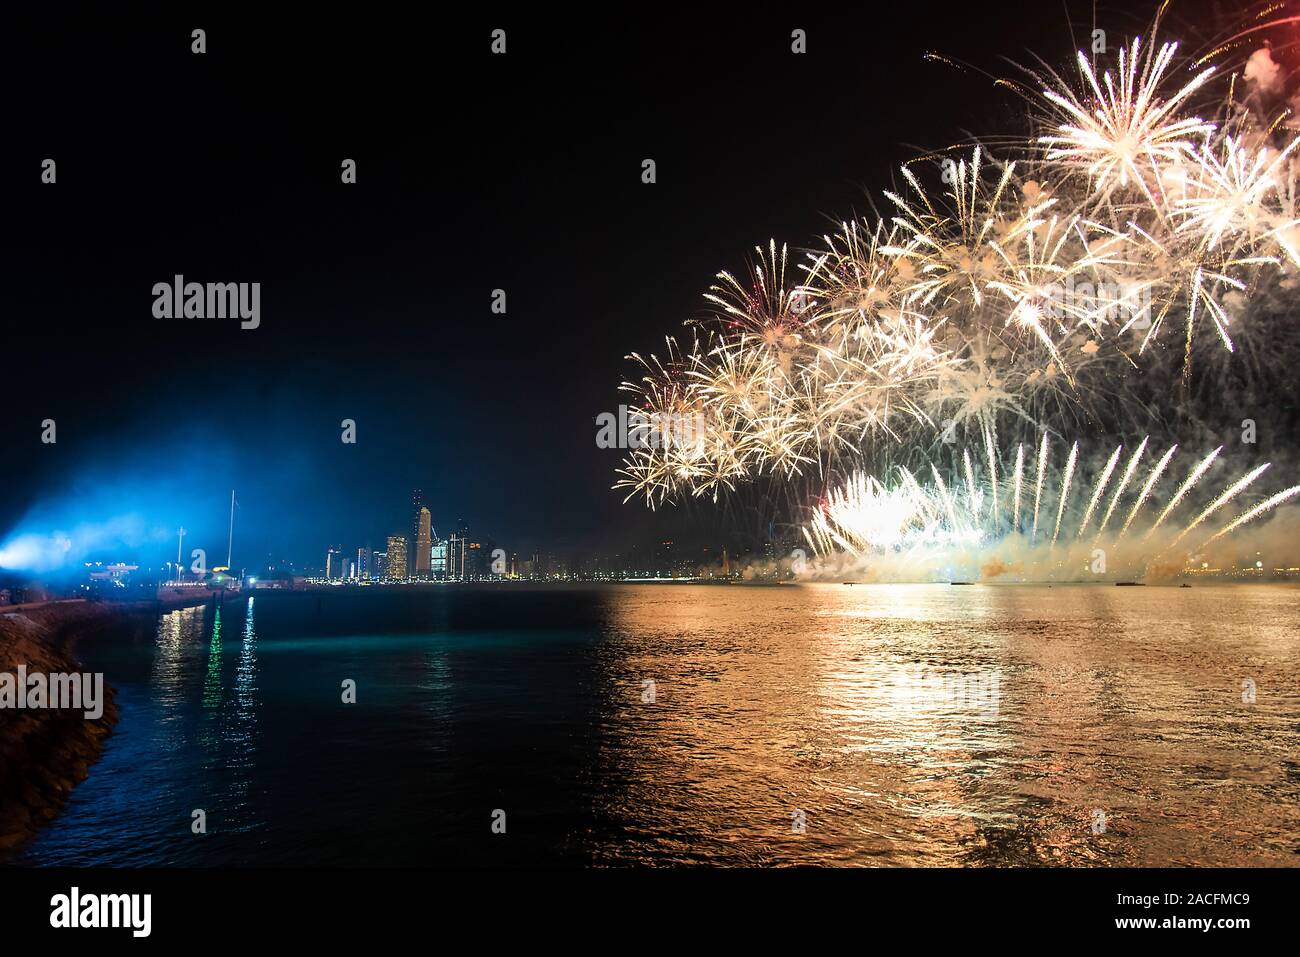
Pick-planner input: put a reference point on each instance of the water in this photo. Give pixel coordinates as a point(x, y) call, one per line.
point(900, 725)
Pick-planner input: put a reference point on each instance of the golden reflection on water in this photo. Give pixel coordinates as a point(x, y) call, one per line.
point(951, 725)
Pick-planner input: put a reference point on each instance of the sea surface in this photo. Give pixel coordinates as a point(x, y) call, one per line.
point(658, 724)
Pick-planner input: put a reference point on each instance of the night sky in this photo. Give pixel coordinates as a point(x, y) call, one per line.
point(475, 172)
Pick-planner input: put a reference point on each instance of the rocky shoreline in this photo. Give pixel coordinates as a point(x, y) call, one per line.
point(44, 754)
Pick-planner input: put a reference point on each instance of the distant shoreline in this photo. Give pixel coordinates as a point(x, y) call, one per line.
point(321, 588)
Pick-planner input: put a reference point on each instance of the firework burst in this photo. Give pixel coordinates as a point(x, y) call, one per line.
point(1021, 296)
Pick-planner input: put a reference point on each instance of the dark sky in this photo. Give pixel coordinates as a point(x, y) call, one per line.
point(475, 172)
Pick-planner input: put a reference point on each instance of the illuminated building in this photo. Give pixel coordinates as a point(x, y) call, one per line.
point(422, 545)
point(474, 563)
point(439, 561)
point(364, 563)
point(417, 503)
point(396, 566)
point(456, 557)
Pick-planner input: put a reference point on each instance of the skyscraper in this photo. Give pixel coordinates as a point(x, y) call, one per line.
point(453, 557)
point(440, 562)
point(457, 567)
point(363, 562)
point(473, 561)
point(396, 565)
point(422, 544)
point(417, 503)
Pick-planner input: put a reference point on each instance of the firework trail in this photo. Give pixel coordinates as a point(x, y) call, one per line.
point(907, 526)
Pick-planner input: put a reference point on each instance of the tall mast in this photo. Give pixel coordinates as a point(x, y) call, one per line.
point(230, 539)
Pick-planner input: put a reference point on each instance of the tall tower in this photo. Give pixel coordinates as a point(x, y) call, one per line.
point(455, 557)
point(423, 544)
point(417, 503)
point(396, 562)
point(462, 564)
